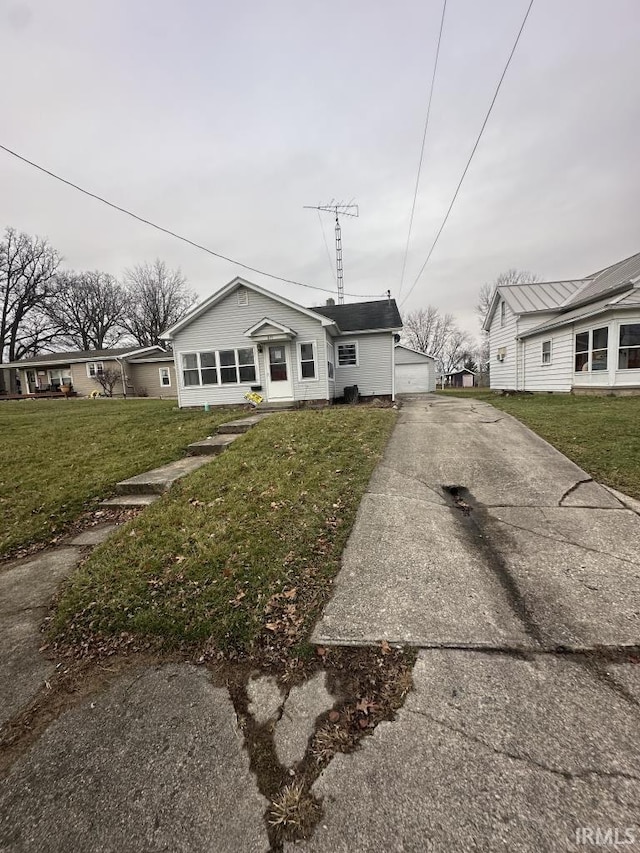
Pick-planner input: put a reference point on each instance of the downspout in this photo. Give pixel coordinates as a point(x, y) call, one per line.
point(393, 367)
point(518, 346)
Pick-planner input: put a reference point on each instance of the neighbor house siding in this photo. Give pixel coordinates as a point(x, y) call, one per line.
point(145, 378)
point(503, 374)
point(374, 373)
point(223, 327)
point(555, 376)
point(83, 384)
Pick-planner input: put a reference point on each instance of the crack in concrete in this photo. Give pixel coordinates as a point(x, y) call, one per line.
point(527, 759)
point(572, 489)
point(560, 537)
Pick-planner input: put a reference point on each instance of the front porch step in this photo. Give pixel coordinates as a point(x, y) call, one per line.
point(212, 446)
point(239, 426)
point(160, 480)
point(130, 501)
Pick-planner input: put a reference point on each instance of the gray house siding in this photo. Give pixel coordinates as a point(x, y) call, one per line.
point(374, 372)
point(223, 328)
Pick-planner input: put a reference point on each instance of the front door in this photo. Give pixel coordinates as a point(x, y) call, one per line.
point(279, 384)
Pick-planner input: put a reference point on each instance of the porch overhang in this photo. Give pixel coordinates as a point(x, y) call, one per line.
point(270, 330)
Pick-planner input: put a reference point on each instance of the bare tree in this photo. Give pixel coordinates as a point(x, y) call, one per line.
point(27, 283)
point(455, 350)
point(88, 310)
point(157, 297)
point(427, 330)
point(107, 379)
point(485, 298)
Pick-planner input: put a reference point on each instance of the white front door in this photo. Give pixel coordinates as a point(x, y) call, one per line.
point(279, 384)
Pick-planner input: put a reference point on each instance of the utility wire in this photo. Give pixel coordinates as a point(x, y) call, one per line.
point(326, 245)
point(173, 233)
point(473, 151)
point(424, 139)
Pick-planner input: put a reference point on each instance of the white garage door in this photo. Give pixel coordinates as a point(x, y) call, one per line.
point(411, 378)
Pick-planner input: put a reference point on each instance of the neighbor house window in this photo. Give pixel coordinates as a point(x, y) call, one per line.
point(347, 355)
point(546, 352)
point(307, 359)
point(94, 368)
point(503, 313)
point(224, 367)
point(629, 352)
point(591, 350)
point(165, 377)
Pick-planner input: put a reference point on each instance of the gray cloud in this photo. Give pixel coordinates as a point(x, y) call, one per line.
point(222, 120)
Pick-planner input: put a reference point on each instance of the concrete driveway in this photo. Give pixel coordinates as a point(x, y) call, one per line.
point(518, 580)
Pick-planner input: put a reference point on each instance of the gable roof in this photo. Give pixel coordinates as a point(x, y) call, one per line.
point(380, 315)
point(548, 296)
point(72, 356)
point(619, 275)
point(415, 351)
point(234, 284)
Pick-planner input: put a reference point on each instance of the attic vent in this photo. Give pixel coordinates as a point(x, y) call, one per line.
point(243, 296)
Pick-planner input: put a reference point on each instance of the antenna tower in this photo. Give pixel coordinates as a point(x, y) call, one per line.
point(338, 208)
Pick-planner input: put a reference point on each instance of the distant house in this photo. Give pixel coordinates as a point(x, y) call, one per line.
point(415, 371)
point(143, 371)
point(463, 378)
point(581, 335)
point(244, 338)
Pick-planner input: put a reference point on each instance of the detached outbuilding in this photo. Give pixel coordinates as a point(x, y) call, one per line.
point(415, 371)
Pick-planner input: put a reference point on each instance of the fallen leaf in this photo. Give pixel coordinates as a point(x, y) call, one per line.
point(386, 648)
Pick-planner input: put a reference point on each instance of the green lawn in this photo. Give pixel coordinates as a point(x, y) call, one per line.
point(241, 553)
point(57, 457)
point(601, 434)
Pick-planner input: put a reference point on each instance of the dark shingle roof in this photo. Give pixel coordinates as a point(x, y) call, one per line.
point(363, 316)
point(78, 355)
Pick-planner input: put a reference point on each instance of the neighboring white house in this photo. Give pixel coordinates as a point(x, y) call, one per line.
point(415, 371)
point(580, 335)
point(245, 338)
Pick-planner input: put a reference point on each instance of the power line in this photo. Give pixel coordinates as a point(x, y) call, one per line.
point(424, 139)
point(173, 233)
point(473, 151)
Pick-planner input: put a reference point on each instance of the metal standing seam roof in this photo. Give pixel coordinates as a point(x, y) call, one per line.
point(610, 278)
point(363, 316)
point(539, 296)
point(583, 312)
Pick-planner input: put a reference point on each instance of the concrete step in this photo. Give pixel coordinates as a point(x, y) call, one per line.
point(160, 480)
point(130, 501)
point(213, 445)
point(239, 426)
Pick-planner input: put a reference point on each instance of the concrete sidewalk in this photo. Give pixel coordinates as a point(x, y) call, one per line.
point(502, 562)
point(517, 580)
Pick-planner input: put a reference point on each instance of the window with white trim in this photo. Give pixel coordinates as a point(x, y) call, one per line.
point(330, 361)
point(591, 349)
point(546, 352)
point(307, 360)
point(165, 377)
point(219, 367)
point(94, 368)
point(348, 355)
point(629, 349)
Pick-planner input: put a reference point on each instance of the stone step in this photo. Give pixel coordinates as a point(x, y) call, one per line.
point(239, 426)
point(213, 445)
point(130, 501)
point(160, 480)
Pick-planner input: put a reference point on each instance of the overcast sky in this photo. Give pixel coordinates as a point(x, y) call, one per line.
point(221, 120)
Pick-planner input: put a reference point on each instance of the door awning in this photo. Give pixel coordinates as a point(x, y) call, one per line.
point(270, 330)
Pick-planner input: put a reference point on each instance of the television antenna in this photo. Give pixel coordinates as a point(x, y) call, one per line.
point(338, 208)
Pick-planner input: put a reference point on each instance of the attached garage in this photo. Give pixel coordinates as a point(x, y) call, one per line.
point(415, 372)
